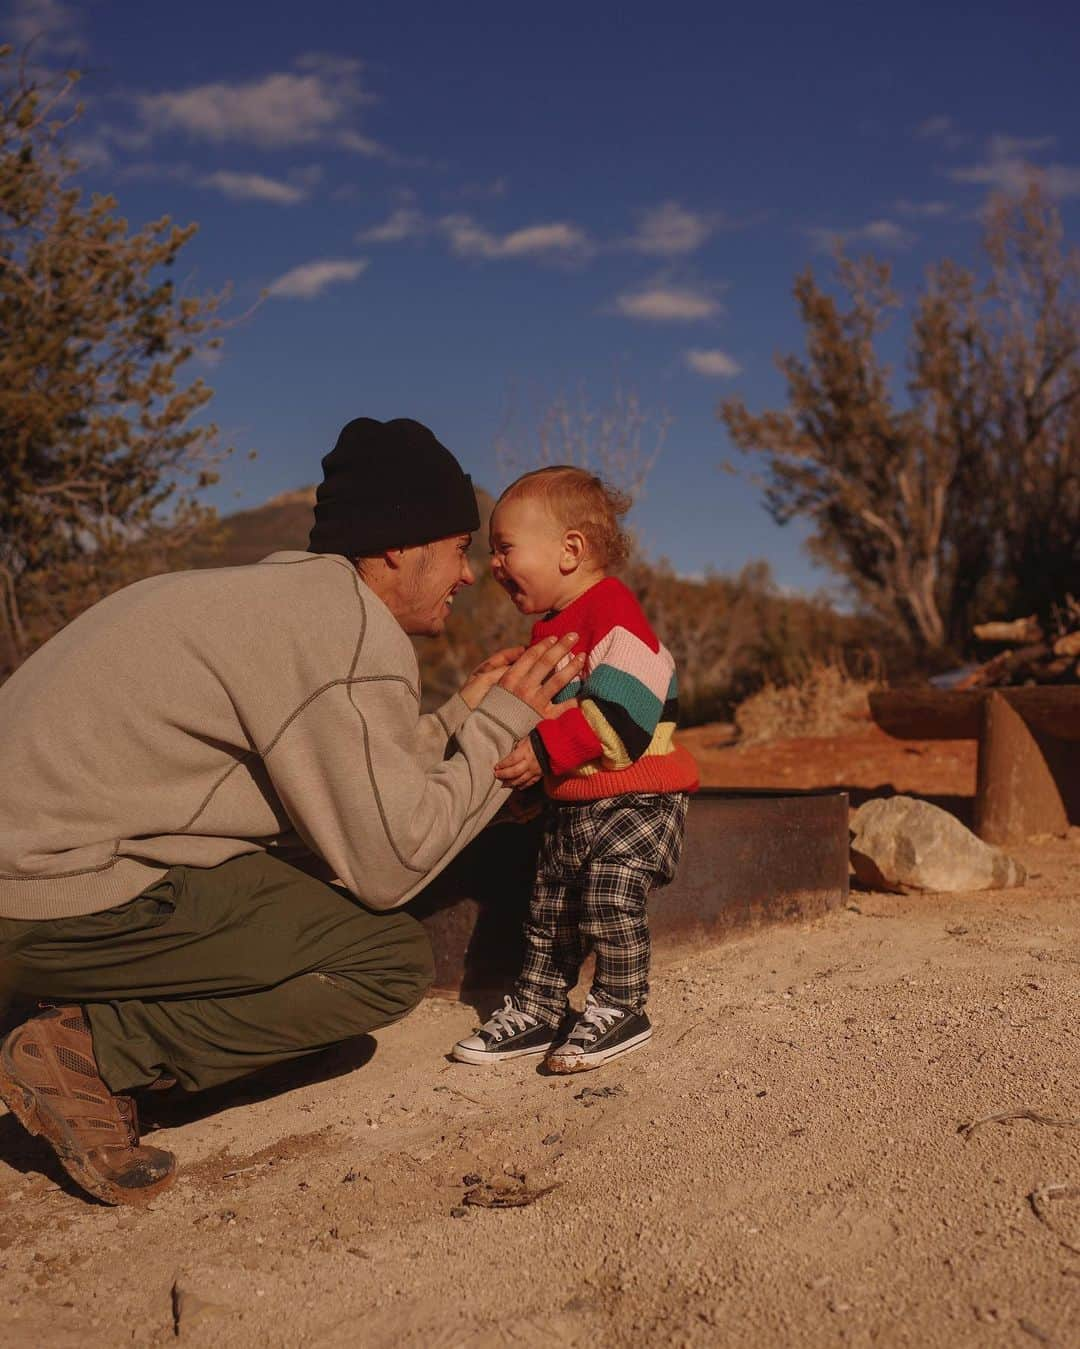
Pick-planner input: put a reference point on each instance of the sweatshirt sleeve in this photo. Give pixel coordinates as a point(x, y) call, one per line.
point(355, 772)
point(435, 730)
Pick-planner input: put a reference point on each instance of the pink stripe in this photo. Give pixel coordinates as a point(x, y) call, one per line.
point(626, 652)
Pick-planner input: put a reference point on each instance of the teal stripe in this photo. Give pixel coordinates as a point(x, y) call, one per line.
point(571, 691)
point(616, 686)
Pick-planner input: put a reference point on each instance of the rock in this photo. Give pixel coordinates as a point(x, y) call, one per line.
point(903, 844)
point(190, 1310)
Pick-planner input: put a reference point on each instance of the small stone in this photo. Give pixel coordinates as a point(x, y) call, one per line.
point(459, 1212)
point(552, 1138)
point(189, 1309)
point(471, 1179)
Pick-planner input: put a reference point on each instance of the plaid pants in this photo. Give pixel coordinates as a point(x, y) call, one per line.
point(598, 861)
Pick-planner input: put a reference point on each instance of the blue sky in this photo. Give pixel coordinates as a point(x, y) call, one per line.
point(462, 212)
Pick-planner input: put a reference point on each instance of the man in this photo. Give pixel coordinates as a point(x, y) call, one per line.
point(163, 756)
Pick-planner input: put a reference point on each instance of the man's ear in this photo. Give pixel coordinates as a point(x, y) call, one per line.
point(574, 548)
point(393, 557)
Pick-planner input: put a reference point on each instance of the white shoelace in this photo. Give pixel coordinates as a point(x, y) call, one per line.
point(509, 1019)
point(594, 1020)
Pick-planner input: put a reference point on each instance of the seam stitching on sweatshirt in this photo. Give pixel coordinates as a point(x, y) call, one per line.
point(408, 866)
point(501, 724)
point(363, 622)
point(418, 871)
point(83, 871)
point(264, 753)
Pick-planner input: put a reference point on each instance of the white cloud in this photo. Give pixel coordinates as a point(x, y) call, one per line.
point(943, 130)
point(280, 109)
point(364, 145)
point(254, 187)
point(923, 210)
point(90, 152)
point(1061, 180)
point(470, 240)
point(1008, 147)
point(404, 223)
point(933, 128)
point(51, 25)
point(496, 187)
point(311, 279)
point(664, 304)
point(714, 363)
point(1012, 176)
point(669, 230)
point(885, 234)
point(1006, 168)
point(467, 238)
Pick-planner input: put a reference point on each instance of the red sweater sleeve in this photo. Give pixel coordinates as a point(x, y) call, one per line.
point(569, 741)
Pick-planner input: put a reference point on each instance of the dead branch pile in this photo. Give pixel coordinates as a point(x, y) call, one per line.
point(1032, 655)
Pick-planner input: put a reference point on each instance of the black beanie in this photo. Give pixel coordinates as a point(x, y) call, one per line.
point(390, 485)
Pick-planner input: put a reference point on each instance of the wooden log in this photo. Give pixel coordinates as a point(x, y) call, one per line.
point(1015, 630)
point(951, 714)
point(1009, 669)
point(1017, 794)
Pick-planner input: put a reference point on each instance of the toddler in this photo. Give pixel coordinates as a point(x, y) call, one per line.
point(617, 785)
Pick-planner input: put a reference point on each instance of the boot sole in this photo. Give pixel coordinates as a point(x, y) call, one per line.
point(583, 1063)
point(38, 1119)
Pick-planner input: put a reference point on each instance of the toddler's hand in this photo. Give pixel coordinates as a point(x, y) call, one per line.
point(520, 768)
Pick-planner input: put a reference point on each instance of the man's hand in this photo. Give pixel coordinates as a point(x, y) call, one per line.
point(535, 678)
point(488, 673)
point(520, 768)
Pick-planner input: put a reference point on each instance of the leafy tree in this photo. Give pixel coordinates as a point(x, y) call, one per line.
point(99, 460)
point(965, 501)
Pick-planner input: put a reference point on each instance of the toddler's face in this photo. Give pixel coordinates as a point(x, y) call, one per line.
point(526, 554)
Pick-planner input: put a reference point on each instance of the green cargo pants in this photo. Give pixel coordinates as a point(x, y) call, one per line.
point(212, 973)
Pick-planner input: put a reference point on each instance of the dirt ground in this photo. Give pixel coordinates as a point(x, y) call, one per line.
point(782, 1165)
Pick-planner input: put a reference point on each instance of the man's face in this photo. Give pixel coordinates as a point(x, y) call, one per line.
point(433, 573)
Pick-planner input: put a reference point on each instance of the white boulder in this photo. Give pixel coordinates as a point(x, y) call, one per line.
point(902, 844)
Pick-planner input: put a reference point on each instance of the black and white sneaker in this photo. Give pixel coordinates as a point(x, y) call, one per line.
point(602, 1032)
point(509, 1034)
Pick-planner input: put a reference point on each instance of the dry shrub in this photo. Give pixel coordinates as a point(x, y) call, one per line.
point(826, 700)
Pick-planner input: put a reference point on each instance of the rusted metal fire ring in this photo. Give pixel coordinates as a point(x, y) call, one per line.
point(750, 857)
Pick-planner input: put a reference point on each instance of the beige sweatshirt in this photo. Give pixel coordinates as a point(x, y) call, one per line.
point(197, 716)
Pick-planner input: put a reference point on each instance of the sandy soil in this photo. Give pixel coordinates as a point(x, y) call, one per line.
point(781, 1166)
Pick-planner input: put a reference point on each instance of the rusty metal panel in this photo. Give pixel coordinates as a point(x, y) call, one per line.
point(750, 857)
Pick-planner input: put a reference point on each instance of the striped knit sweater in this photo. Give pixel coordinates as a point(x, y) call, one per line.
point(618, 738)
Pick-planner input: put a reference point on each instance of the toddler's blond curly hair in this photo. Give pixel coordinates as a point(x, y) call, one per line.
point(580, 500)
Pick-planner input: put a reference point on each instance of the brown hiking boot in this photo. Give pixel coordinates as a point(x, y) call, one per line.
point(49, 1079)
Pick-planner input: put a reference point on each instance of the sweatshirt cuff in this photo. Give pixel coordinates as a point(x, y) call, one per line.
point(509, 712)
point(452, 714)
